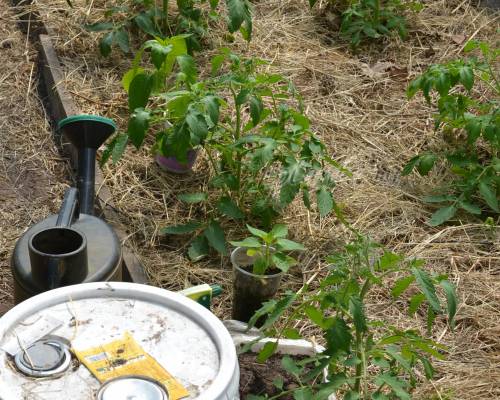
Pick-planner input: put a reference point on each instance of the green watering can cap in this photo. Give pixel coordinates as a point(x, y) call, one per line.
point(86, 118)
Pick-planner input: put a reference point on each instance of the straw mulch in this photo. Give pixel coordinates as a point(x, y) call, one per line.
point(357, 104)
point(32, 173)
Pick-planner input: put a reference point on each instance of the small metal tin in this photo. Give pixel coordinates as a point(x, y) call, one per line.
point(43, 358)
point(132, 387)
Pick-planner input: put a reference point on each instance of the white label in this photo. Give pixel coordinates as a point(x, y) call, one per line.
point(27, 333)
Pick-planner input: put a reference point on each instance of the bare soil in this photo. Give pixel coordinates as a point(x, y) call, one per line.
point(258, 378)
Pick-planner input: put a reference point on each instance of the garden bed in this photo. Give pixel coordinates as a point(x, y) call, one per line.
point(358, 106)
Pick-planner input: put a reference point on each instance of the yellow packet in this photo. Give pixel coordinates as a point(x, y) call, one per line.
point(126, 357)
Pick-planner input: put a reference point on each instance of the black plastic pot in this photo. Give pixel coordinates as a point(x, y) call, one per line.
point(250, 290)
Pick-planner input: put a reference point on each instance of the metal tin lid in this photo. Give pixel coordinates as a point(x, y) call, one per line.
point(132, 387)
point(43, 358)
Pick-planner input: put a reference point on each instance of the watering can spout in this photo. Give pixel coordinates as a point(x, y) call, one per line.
point(87, 133)
point(69, 208)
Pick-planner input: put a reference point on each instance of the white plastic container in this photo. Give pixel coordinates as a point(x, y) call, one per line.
point(184, 337)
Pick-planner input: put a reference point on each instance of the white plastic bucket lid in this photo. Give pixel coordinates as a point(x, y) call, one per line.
point(184, 337)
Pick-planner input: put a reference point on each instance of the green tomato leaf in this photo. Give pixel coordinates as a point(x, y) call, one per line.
point(267, 351)
point(358, 314)
point(303, 393)
point(470, 208)
point(397, 385)
point(288, 192)
point(187, 65)
point(451, 299)
point(426, 163)
point(290, 366)
point(338, 337)
point(401, 285)
point(129, 76)
point(119, 147)
point(139, 91)
point(324, 200)
point(98, 27)
point(256, 108)
point(215, 236)
point(389, 260)
point(489, 195)
point(190, 198)
point(212, 105)
point(146, 24)
point(121, 38)
point(198, 248)
point(242, 97)
point(278, 382)
point(197, 125)
point(159, 52)
point(467, 77)
point(410, 165)
point(217, 62)
point(316, 316)
point(228, 208)
point(182, 229)
point(351, 396)
point(379, 396)
point(138, 125)
point(415, 302)
point(442, 215)
point(239, 12)
point(428, 369)
point(292, 333)
point(105, 44)
point(427, 287)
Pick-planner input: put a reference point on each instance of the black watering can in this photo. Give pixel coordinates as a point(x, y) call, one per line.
point(73, 246)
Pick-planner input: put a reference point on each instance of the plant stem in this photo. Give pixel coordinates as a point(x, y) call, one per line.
point(237, 133)
point(165, 17)
point(376, 14)
point(360, 366)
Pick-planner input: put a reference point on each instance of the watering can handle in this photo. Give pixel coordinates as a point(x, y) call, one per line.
point(69, 208)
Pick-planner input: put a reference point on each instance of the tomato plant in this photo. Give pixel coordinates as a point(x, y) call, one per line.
point(249, 124)
point(372, 19)
point(364, 358)
point(260, 140)
point(471, 126)
point(156, 21)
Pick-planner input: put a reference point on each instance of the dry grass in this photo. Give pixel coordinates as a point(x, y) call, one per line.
point(32, 173)
point(358, 106)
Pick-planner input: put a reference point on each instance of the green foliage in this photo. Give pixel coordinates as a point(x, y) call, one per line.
point(146, 16)
point(269, 249)
point(365, 358)
point(471, 126)
point(249, 123)
point(372, 19)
